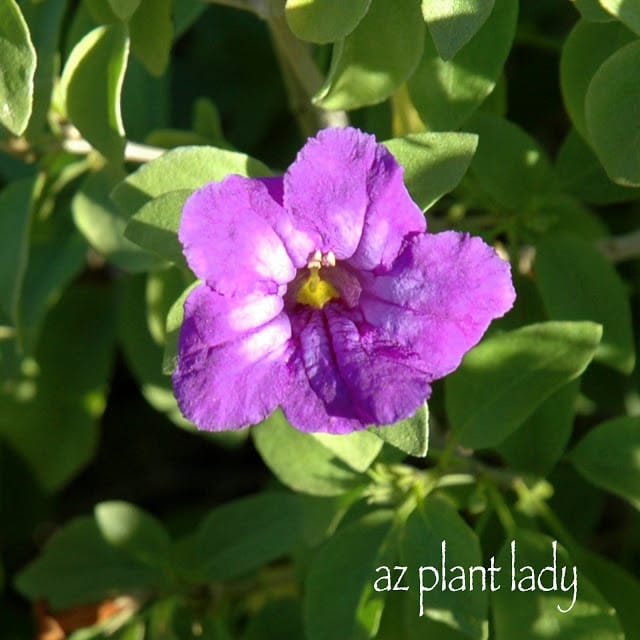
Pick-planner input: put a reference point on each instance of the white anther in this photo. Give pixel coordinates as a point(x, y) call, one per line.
point(329, 260)
point(316, 260)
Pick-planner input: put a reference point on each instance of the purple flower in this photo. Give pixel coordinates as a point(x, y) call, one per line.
point(323, 294)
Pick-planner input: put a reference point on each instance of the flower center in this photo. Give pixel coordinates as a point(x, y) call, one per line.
point(315, 291)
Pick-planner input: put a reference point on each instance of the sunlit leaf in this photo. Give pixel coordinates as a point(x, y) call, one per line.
point(18, 68)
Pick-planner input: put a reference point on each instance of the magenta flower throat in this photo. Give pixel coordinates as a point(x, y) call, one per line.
point(323, 294)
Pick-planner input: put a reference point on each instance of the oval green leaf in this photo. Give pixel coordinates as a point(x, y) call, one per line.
point(16, 206)
point(502, 381)
point(78, 566)
point(586, 48)
point(324, 21)
point(433, 524)
point(592, 10)
point(620, 588)
point(151, 29)
point(340, 601)
point(301, 461)
point(127, 527)
point(609, 457)
point(99, 221)
point(627, 11)
point(244, 535)
point(577, 282)
point(612, 115)
point(509, 164)
point(18, 68)
point(155, 226)
point(124, 9)
point(434, 163)
point(538, 444)
point(529, 614)
point(45, 21)
point(74, 357)
point(410, 435)
point(579, 172)
point(452, 23)
point(446, 93)
point(376, 58)
point(92, 84)
point(182, 168)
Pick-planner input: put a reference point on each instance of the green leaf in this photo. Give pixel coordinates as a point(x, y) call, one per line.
point(155, 226)
point(509, 164)
point(78, 566)
point(621, 589)
point(609, 457)
point(434, 163)
point(44, 20)
point(340, 601)
point(410, 435)
point(592, 10)
point(452, 23)
point(611, 112)
point(124, 9)
point(626, 11)
point(502, 381)
point(99, 221)
point(56, 254)
point(429, 525)
point(358, 449)
point(566, 214)
point(579, 172)
point(143, 355)
point(446, 93)
point(101, 11)
point(324, 20)
point(184, 168)
point(125, 526)
point(185, 13)
point(206, 122)
point(376, 58)
point(141, 89)
point(578, 283)
point(151, 31)
point(539, 443)
point(164, 287)
point(301, 461)
point(244, 535)
point(16, 205)
point(277, 620)
point(172, 330)
point(67, 388)
point(92, 97)
point(534, 615)
point(586, 48)
point(18, 68)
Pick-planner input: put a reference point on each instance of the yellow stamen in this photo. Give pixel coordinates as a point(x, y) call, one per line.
point(315, 291)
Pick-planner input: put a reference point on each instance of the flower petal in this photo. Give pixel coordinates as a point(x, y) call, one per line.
point(390, 217)
point(348, 375)
point(299, 244)
point(440, 296)
point(325, 189)
point(228, 240)
point(348, 192)
point(231, 361)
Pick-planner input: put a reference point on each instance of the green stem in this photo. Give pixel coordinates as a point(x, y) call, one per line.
point(302, 78)
point(504, 513)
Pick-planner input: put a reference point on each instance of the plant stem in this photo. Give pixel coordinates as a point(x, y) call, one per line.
point(302, 78)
